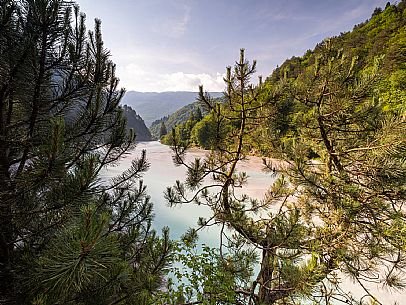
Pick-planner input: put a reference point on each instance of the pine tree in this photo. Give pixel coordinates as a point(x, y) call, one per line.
point(356, 186)
point(336, 204)
point(198, 114)
point(231, 123)
point(66, 236)
point(162, 130)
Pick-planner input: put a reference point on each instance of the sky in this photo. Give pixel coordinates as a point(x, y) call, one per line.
point(176, 45)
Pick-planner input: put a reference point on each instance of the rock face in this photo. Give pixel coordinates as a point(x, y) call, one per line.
point(135, 122)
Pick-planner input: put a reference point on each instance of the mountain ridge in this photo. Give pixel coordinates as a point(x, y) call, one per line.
point(155, 105)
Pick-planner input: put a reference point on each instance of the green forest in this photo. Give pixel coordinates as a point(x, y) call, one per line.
point(329, 125)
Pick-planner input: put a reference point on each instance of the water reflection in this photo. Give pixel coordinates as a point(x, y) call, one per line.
point(164, 173)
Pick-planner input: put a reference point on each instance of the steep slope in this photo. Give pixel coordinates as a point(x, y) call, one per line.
point(384, 34)
point(135, 122)
point(381, 41)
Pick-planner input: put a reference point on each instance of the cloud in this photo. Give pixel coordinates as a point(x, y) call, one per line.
point(178, 28)
point(175, 25)
point(134, 77)
point(180, 81)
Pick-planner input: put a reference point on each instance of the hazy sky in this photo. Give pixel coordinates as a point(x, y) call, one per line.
point(173, 45)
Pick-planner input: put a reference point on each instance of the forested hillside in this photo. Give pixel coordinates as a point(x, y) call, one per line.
point(177, 118)
point(380, 40)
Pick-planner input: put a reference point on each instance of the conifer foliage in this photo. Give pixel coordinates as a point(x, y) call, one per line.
point(66, 237)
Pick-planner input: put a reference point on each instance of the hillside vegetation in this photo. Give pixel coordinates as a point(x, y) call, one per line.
point(179, 117)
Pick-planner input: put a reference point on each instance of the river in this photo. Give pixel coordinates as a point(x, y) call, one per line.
point(162, 173)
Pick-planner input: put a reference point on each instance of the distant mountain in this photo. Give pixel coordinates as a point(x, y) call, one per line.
point(154, 105)
point(135, 122)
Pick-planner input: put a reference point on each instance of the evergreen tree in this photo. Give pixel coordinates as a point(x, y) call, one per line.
point(66, 236)
point(356, 187)
point(162, 130)
point(198, 114)
point(231, 123)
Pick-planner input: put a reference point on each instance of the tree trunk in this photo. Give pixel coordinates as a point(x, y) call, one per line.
point(7, 293)
point(271, 289)
point(265, 277)
point(6, 249)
